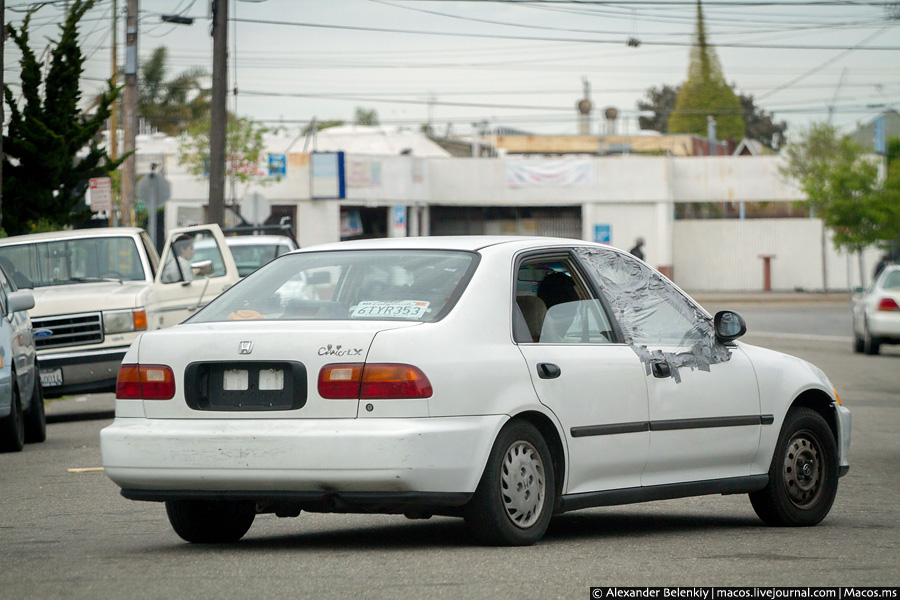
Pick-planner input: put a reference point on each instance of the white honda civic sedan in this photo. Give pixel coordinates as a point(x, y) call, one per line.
point(498, 379)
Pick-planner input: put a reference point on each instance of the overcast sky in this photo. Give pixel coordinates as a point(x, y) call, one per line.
point(513, 63)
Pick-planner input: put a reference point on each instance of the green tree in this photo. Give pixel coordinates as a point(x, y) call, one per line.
point(171, 105)
point(662, 102)
point(890, 197)
point(366, 117)
point(761, 125)
point(841, 186)
point(706, 93)
point(243, 151)
point(51, 147)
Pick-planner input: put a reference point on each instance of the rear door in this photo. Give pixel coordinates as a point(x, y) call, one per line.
point(582, 371)
point(196, 266)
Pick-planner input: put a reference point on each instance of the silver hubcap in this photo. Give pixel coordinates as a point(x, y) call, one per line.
point(803, 470)
point(522, 484)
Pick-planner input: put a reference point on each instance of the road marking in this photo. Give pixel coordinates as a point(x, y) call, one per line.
point(801, 336)
point(86, 470)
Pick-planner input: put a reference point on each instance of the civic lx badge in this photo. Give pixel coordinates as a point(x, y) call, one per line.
point(245, 348)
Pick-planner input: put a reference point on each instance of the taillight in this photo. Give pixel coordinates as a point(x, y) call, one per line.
point(147, 382)
point(373, 382)
point(887, 304)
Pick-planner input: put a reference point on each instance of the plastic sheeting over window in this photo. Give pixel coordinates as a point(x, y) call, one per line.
point(653, 313)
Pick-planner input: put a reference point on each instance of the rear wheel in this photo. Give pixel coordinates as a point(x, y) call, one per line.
point(12, 426)
point(803, 477)
point(35, 419)
point(871, 344)
point(211, 521)
point(513, 503)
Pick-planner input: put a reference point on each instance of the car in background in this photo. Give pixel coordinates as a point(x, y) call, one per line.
point(498, 379)
point(250, 252)
point(22, 417)
point(95, 290)
point(876, 312)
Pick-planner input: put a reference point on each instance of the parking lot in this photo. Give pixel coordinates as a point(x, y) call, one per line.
point(65, 532)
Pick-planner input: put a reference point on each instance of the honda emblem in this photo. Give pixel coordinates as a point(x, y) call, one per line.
point(245, 348)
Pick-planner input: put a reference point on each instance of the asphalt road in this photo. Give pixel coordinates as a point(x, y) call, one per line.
point(68, 534)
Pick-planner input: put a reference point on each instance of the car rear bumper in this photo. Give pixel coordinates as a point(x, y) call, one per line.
point(82, 371)
point(435, 455)
point(885, 324)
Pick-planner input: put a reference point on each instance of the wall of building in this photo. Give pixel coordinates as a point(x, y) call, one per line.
point(724, 255)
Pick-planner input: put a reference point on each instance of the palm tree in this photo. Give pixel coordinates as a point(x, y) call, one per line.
point(171, 106)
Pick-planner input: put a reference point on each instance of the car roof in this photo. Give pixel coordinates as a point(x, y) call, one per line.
point(71, 234)
point(471, 243)
point(258, 240)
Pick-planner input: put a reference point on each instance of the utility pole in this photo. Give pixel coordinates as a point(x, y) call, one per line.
point(218, 114)
point(130, 108)
point(114, 113)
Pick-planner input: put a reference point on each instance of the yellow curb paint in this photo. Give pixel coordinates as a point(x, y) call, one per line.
point(86, 470)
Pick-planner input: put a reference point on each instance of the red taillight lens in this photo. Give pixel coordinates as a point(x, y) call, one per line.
point(373, 382)
point(147, 382)
point(888, 304)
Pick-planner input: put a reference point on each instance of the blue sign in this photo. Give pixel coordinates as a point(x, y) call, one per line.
point(603, 234)
point(277, 165)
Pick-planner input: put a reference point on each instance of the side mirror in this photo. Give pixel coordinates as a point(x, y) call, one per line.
point(202, 268)
point(18, 301)
point(729, 326)
point(858, 290)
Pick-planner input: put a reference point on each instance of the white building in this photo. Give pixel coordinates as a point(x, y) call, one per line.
point(396, 185)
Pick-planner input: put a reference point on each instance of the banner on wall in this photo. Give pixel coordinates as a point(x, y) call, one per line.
point(550, 173)
point(363, 173)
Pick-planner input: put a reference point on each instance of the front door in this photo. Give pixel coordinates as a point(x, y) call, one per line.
point(196, 266)
point(704, 411)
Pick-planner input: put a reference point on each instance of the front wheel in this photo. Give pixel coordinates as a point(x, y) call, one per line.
point(513, 503)
point(211, 521)
point(803, 477)
point(35, 418)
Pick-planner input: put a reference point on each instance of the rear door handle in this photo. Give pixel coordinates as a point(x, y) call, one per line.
point(548, 371)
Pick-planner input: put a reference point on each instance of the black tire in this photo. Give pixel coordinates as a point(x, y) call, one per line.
point(803, 478)
point(12, 426)
point(35, 419)
point(858, 341)
point(871, 344)
point(514, 500)
point(211, 521)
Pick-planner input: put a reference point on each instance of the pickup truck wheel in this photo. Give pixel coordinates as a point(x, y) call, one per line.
point(12, 426)
point(803, 477)
point(35, 419)
point(211, 521)
point(514, 501)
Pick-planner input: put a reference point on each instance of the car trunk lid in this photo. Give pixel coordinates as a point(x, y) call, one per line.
point(256, 369)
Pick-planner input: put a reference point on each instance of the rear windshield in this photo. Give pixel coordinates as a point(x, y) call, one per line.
point(348, 286)
point(76, 260)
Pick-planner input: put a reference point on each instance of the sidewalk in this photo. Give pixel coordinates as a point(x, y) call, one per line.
point(81, 407)
point(770, 297)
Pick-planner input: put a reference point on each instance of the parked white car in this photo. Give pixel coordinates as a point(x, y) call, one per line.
point(499, 379)
point(95, 290)
point(876, 313)
point(22, 417)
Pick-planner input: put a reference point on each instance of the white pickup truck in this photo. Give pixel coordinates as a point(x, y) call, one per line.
point(96, 290)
